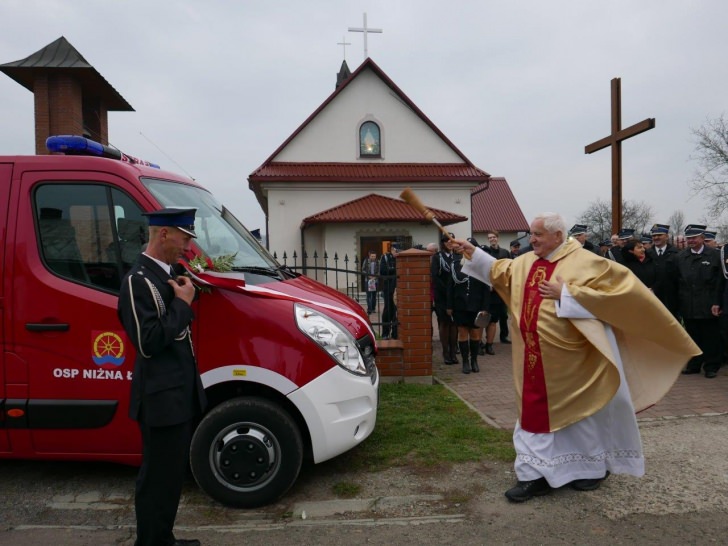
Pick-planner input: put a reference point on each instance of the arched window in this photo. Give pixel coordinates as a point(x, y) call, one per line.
point(369, 140)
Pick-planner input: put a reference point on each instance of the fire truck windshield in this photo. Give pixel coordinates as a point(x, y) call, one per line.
point(219, 233)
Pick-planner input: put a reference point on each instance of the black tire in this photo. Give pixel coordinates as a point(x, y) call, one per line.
point(247, 452)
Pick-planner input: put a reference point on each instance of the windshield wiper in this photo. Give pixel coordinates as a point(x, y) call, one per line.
point(268, 271)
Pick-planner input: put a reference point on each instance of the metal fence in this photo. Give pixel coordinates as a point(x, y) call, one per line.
point(346, 275)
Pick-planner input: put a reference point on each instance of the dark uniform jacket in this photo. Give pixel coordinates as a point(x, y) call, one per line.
point(666, 276)
point(588, 245)
point(388, 272)
point(616, 252)
point(466, 293)
point(701, 282)
point(441, 273)
point(166, 387)
point(498, 253)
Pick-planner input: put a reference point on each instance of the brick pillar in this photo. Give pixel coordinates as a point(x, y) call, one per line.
point(58, 108)
point(409, 358)
point(42, 113)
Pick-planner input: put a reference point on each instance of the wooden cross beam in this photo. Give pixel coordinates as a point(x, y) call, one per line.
point(615, 141)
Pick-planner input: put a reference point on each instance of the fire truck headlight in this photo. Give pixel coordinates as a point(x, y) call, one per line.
point(332, 336)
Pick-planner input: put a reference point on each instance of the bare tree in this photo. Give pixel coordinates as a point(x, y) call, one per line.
point(636, 215)
point(677, 221)
point(711, 153)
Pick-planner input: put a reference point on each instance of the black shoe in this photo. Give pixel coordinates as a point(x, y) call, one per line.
point(506, 341)
point(474, 366)
point(690, 371)
point(481, 349)
point(588, 485)
point(183, 542)
point(524, 491)
point(710, 375)
point(489, 348)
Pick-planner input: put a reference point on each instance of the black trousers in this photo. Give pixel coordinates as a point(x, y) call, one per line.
point(165, 452)
point(706, 335)
point(389, 315)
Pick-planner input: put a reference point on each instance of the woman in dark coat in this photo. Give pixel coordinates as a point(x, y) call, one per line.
point(466, 298)
point(441, 272)
point(635, 259)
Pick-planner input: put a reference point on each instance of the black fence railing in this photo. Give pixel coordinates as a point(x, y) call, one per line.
point(346, 275)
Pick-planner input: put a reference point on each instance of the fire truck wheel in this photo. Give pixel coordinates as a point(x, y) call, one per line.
point(247, 452)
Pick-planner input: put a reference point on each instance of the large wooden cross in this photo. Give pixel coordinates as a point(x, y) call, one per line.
point(615, 141)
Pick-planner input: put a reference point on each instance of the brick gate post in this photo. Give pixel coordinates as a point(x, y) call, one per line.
point(409, 358)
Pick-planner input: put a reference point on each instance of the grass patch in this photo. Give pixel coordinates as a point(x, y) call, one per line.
point(427, 425)
point(346, 490)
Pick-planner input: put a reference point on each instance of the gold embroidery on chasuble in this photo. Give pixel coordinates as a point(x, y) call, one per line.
point(535, 405)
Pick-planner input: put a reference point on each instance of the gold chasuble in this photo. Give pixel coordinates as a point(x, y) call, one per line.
point(564, 369)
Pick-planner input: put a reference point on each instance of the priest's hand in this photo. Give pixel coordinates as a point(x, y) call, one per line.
point(461, 246)
point(551, 289)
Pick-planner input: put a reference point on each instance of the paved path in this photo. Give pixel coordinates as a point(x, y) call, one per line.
point(490, 392)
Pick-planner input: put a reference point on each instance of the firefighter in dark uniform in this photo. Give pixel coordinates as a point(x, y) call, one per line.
point(664, 255)
point(701, 297)
point(578, 232)
point(167, 397)
point(623, 236)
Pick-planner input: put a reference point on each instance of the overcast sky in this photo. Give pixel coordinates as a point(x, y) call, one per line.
point(520, 87)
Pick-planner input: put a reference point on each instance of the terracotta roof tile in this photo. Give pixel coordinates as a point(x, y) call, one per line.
point(370, 172)
point(496, 207)
point(378, 208)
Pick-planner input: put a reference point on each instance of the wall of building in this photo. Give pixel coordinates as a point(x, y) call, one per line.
point(333, 135)
point(289, 204)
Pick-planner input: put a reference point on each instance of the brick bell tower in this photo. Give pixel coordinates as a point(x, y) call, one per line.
point(71, 97)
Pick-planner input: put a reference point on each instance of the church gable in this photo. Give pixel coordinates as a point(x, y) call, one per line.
point(368, 100)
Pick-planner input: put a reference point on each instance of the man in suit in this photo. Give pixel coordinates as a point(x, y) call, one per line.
point(167, 396)
point(664, 255)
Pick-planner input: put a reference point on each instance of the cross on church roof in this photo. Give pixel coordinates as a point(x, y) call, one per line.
point(365, 30)
point(344, 43)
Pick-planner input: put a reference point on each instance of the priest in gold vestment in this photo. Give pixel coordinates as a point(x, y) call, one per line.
point(595, 345)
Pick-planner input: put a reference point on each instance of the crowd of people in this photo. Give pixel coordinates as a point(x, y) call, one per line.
point(688, 277)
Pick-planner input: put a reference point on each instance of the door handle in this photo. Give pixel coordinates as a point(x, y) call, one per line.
point(47, 327)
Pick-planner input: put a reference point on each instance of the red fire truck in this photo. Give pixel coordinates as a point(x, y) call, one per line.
point(287, 363)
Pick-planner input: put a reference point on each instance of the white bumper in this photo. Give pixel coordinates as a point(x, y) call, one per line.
point(340, 410)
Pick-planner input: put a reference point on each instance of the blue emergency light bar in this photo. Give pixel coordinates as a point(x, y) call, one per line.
point(78, 145)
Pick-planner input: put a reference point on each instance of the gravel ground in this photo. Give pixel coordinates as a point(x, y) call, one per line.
point(681, 499)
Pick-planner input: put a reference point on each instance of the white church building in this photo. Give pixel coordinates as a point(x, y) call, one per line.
point(333, 185)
